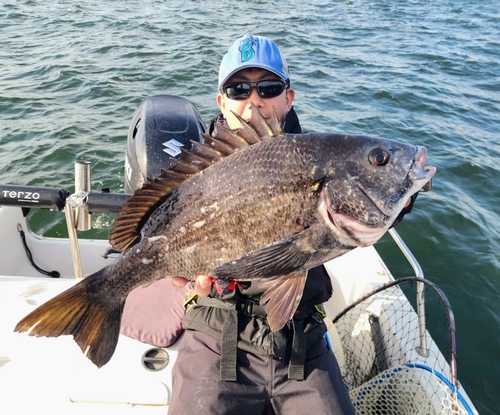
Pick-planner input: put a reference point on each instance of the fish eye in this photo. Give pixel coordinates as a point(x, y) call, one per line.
point(379, 157)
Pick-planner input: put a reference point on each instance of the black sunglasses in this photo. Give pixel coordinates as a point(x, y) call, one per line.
point(266, 89)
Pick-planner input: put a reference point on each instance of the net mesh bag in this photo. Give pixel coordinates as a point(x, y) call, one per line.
point(388, 362)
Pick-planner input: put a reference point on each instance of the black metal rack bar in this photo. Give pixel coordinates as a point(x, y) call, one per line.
point(55, 199)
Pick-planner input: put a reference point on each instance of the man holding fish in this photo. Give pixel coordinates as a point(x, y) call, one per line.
point(268, 379)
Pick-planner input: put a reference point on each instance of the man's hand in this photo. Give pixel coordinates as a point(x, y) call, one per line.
point(202, 286)
point(408, 203)
point(407, 209)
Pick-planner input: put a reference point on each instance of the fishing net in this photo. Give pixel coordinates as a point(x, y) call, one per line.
point(388, 361)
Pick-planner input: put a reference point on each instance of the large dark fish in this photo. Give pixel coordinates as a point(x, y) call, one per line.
point(271, 210)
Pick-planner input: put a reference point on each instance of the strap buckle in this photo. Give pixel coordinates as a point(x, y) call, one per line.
point(190, 300)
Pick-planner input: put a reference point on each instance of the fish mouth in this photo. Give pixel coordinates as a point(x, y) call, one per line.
point(419, 172)
point(347, 230)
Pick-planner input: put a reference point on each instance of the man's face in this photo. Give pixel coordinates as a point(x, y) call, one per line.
point(281, 103)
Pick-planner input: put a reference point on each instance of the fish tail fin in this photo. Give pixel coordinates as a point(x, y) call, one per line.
point(82, 313)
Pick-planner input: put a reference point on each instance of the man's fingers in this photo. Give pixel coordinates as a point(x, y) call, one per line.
point(179, 282)
point(203, 285)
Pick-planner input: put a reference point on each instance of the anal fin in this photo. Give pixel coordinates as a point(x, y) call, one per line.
point(282, 297)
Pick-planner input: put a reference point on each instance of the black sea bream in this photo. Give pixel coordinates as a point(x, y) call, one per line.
point(251, 204)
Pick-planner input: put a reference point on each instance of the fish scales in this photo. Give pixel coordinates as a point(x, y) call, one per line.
point(265, 194)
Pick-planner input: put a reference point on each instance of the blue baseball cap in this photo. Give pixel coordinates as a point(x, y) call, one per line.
point(253, 52)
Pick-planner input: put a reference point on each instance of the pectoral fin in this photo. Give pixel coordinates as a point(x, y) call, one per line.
point(280, 258)
point(282, 297)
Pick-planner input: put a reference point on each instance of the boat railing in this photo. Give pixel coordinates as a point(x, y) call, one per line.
point(422, 348)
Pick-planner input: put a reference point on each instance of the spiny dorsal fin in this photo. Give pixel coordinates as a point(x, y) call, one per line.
point(232, 137)
point(136, 210)
point(205, 151)
point(275, 124)
point(262, 129)
point(222, 146)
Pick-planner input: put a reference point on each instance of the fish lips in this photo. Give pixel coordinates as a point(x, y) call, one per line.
point(419, 173)
point(348, 231)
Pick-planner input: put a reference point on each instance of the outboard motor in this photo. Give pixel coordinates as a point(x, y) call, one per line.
point(160, 127)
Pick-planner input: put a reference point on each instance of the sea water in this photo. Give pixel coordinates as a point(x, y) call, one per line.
point(73, 72)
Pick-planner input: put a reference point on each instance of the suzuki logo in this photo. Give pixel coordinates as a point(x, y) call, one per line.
point(173, 147)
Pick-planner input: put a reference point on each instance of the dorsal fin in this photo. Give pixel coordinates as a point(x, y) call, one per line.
point(262, 128)
point(136, 210)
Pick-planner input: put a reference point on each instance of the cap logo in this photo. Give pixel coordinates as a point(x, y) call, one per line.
point(246, 49)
